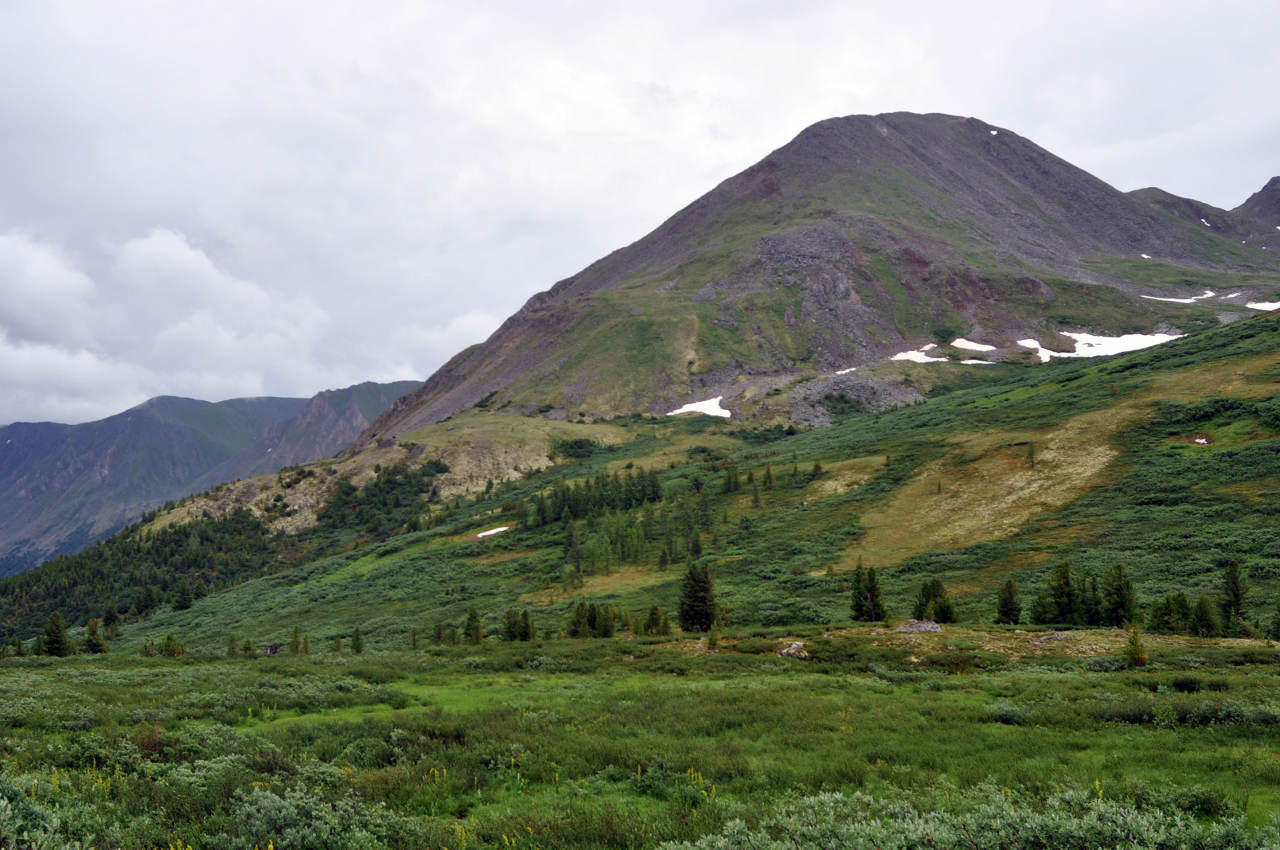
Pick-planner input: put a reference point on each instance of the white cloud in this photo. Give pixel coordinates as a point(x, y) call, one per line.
point(286, 196)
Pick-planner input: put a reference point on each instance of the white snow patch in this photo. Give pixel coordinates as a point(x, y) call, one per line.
point(977, 362)
point(1145, 256)
point(497, 530)
point(961, 342)
point(847, 371)
point(1233, 295)
point(1092, 345)
point(1208, 293)
point(1263, 305)
point(1201, 441)
point(1206, 224)
point(995, 132)
point(711, 407)
point(919, 356)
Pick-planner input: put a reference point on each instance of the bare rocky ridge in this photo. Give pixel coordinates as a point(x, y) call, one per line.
point(860, 238)
point(1264, 205)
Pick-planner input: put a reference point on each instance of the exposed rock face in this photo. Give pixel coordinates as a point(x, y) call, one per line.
point(918, 627)
point(1264, 205)
point(860, 238)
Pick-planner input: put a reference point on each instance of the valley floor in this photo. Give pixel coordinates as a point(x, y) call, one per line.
point(631, 742)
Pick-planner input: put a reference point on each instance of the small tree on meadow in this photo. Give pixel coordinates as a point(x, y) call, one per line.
point(1203, 621)
point(473, 630)
point(697, 599)
point(94, 642)
point(1008, 604)
point(55, 636)
point(932, 603)
point(1135, 654)
point(183, 597)
point(357, 641)
point(1119, 601)
point(1234, 591)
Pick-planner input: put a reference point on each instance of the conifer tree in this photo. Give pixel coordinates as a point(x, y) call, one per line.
point(1203, 621)
point(1135, 654)
point(110, 618)
point(94, 643)
point(1234, 591)
point(653, 623)
point(526, 627)
point(306, 645)
point(183, 596)
point(55, 636)
point(357, 641)
point(768, 479)
point(247, 649)
point(1063, 596)
point(1119, 602)
point(1273, 631)
point(474, 631)
point(1090, 603)
point(295, 642)
point(337, 643)
point(932, 603)
point(697, 599)
point(233, 645)
point(1008, 605)
point(874, 609)
point(413, 638)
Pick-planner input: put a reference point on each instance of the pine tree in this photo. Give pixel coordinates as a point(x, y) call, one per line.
point(1119, 602)
point(55, 636)
point(94, 643)
point(1203, 621)
point(1008, 605)
point(857, 596)
point(295, 642)
point(526, 627)
point(1135, 654)
point(1233, 593)
point(413, 638)
point(183, 596)
point(875, 609)
point(247, 649)
point(1090, 603)
point(768, 479)
point(337, 643)
point(653, 623)
point(932, 603)
point(697, 599)
point(306, 645)
point(1063, 596)
point(473, 630)
point(233, 645)
point(110, 618)
point(357, 641)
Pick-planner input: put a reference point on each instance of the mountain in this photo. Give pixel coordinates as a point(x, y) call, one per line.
point(863, 237)
point(1264, 205)
point(65, 486)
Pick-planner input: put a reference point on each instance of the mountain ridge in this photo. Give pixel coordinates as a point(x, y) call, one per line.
point(65, 486)
point(854, 241)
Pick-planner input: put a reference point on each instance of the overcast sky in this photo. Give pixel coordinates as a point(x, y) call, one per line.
point(275, 198)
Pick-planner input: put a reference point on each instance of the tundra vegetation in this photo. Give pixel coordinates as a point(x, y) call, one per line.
point(606, 672)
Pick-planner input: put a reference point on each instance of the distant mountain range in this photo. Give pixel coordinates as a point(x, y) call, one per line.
point(864, 237)
point(65, 486)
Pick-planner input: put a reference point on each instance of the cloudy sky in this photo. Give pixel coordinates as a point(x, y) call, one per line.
point(229, 199)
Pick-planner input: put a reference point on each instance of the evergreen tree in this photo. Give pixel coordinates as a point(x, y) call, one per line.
point(94, 643)
point(1008, 605)
point(1203, 621)
point(337, 643)
point(1042, 609)
point(768, 479)
point(1063, 596)
point(413, 638)
point(1170, 614)
point(295, 642)
point(247, 649)
point(932, 603)
point(697, 599)
point(473, 630)
point(55, 636)
point(510, 628)
point(1135, 654)
point(1119, 602)
point(1233, 593)
point(874, 610)
point(653, 623)
point(357, 641)
point(526, 627)
point(183, 597)
point(233, 645)
point(1090, 602)
point(857, 598)
point(1273, 631)
point(439, 633)
point(306, 645)
point(110, 618)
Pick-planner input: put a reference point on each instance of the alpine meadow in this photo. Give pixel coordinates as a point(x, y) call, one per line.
point(967, 538)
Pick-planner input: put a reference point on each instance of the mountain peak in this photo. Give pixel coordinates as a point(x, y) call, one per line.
point(1264, 204)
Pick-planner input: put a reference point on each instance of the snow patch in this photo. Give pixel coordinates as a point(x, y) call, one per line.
point(977, 362)
point(1208, 293)
point(1092, 345)
point(847, 371)
point(919, 356)
point(491, 531)
point(995, 132)
point(1201, 441)
point(961, 342)
point(1233, 295)
point(1263, 305)
point(711, 407)
point(1206, 224)
point(1145, 256)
